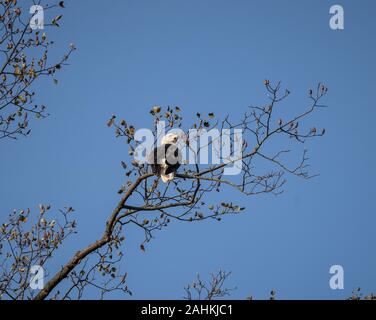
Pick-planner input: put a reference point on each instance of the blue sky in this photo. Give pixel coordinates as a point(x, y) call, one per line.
point(212, 56)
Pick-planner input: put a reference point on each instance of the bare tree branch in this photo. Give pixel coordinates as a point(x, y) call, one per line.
point(150, 205)
point(25, 60)
point(200, 290)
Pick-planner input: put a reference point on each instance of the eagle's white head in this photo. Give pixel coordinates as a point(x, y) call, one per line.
point(170, 138)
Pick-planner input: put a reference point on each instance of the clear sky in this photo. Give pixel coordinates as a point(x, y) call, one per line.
point(208, 56)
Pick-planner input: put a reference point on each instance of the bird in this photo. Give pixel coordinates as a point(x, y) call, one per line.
point(166, 159)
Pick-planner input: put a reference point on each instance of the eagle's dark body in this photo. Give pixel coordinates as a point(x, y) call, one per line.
point(165, 160)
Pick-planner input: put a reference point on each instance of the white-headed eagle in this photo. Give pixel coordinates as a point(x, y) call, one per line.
point(166, 158)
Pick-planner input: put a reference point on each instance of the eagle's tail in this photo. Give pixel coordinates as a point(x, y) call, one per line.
point(167, 177)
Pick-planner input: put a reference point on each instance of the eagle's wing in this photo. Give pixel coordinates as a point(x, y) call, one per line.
point(155, 158)
point(173, 158)
point(167, 156)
